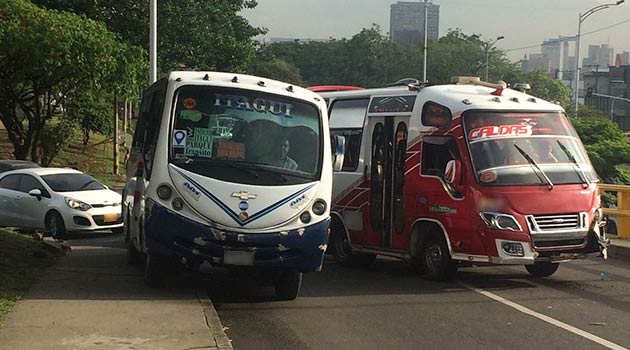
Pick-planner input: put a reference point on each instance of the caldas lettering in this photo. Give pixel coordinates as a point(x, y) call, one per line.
point(260, 105)
point(501, 130)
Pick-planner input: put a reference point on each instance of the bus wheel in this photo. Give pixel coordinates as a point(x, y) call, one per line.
point(436, 259)
point(542, 269)
point(343, 253)
point(287, 284)
point(134, 257)
point(155, 270)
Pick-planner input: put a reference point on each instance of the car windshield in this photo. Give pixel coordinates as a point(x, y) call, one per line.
point(72, 182)
point(246, 136)
point(526, 149)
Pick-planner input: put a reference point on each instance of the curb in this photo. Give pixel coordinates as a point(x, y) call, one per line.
point(618, 251)
point(213, 321)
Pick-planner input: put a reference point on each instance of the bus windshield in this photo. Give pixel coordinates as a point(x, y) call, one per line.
point(526, 149)
point(246, 136)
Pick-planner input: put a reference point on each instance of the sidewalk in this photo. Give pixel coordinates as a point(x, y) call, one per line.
point(92, 299)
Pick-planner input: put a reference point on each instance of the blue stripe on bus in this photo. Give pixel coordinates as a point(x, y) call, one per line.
point(235, 216)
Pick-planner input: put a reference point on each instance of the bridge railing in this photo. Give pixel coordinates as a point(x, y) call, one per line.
point(623, 208)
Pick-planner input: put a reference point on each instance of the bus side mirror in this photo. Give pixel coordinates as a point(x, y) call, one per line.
point(453, 174)
point(339, 149)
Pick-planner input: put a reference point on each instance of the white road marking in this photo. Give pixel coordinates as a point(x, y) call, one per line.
point(560, 324)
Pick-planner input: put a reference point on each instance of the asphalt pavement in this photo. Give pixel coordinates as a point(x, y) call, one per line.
point(585, 305)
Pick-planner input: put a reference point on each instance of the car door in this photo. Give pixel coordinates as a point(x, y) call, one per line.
point(33, 208)
point(9, 193)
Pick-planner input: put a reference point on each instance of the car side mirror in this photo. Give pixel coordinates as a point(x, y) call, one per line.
point(36, 192)
point(339, 149)
point(453, 174)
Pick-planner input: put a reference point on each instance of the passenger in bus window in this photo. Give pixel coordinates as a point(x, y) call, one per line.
point(283, 160)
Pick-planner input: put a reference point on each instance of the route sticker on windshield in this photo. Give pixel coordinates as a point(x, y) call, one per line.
point(179, 138)
point(199, 143)
point(500, 131)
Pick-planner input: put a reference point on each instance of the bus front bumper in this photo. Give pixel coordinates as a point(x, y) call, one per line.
point(171, 235)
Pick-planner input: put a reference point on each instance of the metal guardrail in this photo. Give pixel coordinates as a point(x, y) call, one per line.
point(623, 208)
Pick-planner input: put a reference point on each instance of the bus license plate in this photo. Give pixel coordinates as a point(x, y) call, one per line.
point(231, 257)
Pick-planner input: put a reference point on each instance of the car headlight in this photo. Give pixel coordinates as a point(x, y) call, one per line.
point(76, 204)
point(500, 221)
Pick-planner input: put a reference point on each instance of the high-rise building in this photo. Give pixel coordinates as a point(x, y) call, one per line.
point(406, 22)
point(598, 56)
point(557, 50)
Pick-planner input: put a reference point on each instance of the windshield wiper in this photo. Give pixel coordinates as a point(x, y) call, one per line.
point(535, 165)
point(228, 164)
point(579, 171)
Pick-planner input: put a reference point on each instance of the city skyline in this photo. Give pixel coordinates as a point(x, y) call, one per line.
point(524, 25)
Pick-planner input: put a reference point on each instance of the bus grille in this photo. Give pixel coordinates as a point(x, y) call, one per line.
point(557, 222)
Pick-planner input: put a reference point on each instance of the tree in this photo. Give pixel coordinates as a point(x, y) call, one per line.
point(605, 143)
point(93, 114)
point(547, 88)
point(276, 68)
point(48, 58)
point(192, 34)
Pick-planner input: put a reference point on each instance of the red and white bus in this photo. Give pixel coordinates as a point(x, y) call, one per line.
point(461, 174)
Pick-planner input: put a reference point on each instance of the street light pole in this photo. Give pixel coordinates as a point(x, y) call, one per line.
point(488, 47)
point(153, 42)
point(424, 55)
point(581, 19)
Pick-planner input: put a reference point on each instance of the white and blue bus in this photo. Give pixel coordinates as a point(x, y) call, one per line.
point(231, 169)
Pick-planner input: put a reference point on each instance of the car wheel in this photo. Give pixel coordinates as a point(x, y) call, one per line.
point(436, 259)
point(343, 253)
point(55, 226)
point(542, 269)
point(288, 283)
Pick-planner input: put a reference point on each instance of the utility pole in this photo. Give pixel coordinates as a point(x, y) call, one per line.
point(424, 55)
point(116, 134)
point(153, 42)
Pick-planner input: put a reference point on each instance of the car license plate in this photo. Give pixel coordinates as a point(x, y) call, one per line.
point(232, 257)
point(110, 217)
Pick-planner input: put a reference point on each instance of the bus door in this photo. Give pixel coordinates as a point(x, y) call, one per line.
point(388, 147)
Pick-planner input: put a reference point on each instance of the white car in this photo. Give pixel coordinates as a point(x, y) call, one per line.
point(57, 200)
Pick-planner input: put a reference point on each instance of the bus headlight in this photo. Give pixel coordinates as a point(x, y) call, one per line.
point(178, 203)
point(164, 192)
point(305, 217)
point(319, 207)
point(500, 221)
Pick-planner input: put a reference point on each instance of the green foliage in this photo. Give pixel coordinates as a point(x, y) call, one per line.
point(370, 59)
point(55, 137)
point(93, 114)
point(48, 58)
point(607, 147)
point(193, 34)
point(547, 88)
point(278, 69)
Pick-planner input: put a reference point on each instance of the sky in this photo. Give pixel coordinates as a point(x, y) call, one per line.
point(523, 23)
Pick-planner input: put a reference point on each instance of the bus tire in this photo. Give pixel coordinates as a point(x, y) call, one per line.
point(134, 257)
point(343, 253)
point(287, 283)
point(542, 269)
point(155, 270)
point(436, 259)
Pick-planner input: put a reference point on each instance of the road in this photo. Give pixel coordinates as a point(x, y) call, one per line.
point(388, 306)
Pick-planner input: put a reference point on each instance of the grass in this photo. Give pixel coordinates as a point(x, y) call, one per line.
point(97, 160)
point(22, 261)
